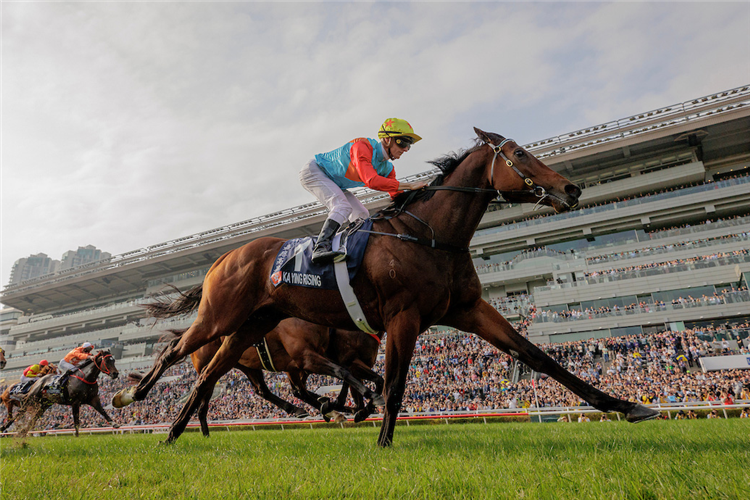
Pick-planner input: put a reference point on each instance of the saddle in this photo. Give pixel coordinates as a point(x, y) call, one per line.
point(294, 266)
point(56, 387)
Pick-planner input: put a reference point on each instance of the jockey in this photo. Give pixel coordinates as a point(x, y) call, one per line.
point(361, 162)
point(71, 361)
point(34, 371)
point(74, 357)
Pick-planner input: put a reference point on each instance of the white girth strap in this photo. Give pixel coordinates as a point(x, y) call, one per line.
point(347, 292)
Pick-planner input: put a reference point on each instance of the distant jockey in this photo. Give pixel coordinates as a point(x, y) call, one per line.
point(361, 162)
point(33, 372)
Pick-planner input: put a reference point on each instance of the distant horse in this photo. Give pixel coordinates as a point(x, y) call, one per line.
point(81, 388)
point(12, 401)
point(301, 348)
point(3, 361)
point(416, 272)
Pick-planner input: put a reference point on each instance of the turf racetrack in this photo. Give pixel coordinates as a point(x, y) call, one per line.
point(614, 460)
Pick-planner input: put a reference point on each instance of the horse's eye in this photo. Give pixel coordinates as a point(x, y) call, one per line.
point(520, 153)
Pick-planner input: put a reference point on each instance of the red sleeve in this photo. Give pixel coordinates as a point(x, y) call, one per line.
point(361, 158)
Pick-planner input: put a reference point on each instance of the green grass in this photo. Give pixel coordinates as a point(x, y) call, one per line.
point(616, 460)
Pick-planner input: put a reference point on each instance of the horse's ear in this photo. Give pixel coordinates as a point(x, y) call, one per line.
point(482, 134)
point(488, 137)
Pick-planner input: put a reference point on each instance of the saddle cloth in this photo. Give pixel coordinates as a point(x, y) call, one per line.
point(20, 389)
point(293, 264)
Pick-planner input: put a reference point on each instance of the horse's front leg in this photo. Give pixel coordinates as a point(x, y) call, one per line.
point(403, 331)
point(97, 405)
point(76, 409)
point(255, 377)
point(483, 320)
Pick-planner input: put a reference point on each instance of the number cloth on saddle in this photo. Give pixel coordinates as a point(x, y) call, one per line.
point(294, 267)
point(21, 388)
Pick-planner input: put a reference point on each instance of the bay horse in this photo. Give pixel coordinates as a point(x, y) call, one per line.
point(81, 388)
point(3, 361)
point(11, 402)
point(300, 348)
point(416, 272)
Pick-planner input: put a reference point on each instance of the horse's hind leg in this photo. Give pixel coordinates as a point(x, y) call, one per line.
point(486, 322)
point(225, 359)
point(199, 334)
point(30, 426)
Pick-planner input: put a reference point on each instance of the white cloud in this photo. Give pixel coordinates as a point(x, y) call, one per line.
point(128, 124)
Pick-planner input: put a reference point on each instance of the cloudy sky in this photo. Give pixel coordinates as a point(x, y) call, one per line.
point(126, 124)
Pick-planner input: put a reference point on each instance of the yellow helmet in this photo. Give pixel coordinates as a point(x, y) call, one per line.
point(396, 127)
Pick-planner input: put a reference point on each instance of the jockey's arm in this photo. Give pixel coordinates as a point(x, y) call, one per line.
point(361, 158)
point(361, 154)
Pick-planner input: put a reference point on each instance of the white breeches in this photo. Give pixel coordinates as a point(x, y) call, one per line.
point(65, 366)
point(341, 204)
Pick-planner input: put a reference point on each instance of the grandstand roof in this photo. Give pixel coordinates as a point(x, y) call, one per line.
point(722, 121)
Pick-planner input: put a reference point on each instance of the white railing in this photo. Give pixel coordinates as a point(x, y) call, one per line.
point(535, 415)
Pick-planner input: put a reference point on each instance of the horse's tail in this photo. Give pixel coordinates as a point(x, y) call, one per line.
point(185, 304)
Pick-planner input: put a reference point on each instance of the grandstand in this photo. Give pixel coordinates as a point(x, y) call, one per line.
point(659, 243)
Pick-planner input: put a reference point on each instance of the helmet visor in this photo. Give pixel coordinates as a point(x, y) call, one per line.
point(403, 141)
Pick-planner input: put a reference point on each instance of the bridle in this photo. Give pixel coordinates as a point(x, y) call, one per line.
point(101, 366)
point(534, 189)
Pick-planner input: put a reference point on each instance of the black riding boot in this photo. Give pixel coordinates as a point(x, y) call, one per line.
point(322, 252)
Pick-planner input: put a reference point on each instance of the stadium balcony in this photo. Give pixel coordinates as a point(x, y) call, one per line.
point(595, 324)
point(680, 274)
point(667, 208)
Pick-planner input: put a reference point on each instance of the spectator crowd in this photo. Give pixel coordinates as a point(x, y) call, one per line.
point(454, 371)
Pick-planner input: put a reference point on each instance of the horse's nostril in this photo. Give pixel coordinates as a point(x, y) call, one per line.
point(573, 190)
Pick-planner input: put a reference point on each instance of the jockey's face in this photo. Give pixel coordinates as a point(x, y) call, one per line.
point(394, 149)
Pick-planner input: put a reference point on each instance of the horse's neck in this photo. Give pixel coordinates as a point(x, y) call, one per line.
point(90, 370)
point(453, 215)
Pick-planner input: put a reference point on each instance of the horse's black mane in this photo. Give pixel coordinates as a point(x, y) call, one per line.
point(446, 164)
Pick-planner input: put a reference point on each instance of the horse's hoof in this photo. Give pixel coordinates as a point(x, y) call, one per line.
point(326, 407)
point(115, 426)
point(338, 417)
point(361, 416)
point(640, 413)
point(123, 398)
point(378, 400)
point(302, 415)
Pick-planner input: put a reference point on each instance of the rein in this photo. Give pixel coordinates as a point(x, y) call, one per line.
point(101, 369)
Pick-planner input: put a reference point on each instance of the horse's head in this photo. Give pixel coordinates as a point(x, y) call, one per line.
point(521, 178)
point(105, 361)
point(48, 369)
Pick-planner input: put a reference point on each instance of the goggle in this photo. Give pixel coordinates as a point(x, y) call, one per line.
point(404, 142)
